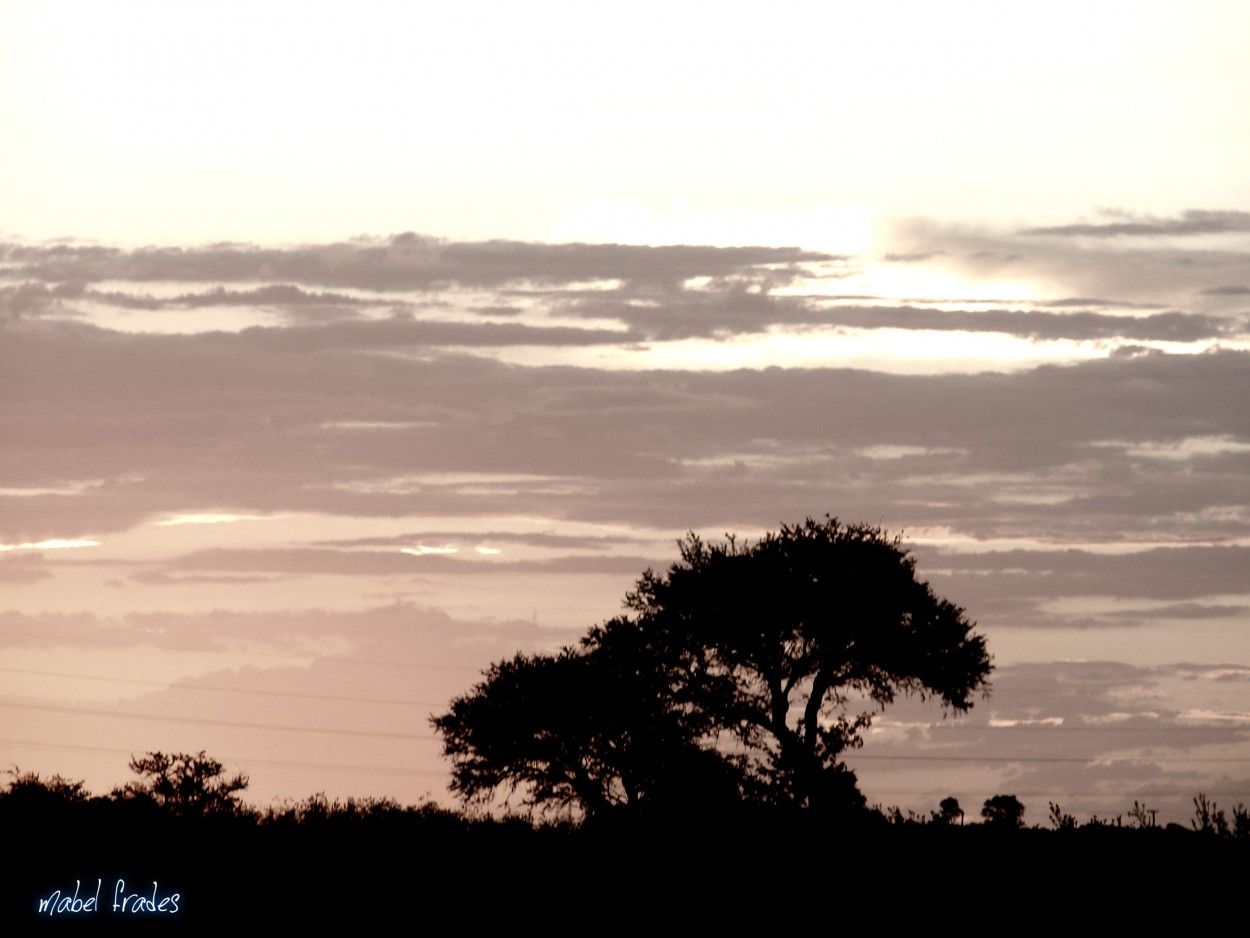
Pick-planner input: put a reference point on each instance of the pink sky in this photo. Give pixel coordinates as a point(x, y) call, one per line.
point(277, 480)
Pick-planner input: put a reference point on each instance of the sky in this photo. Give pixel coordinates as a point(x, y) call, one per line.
point(345, 350)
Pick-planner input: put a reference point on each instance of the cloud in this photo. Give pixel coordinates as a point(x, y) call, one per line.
point(422, 293)
point(271, 421)
point(740, 312)
point(23, 568)
point(1033, 324)
point(405, 630)
point(911, 258)
point(1070, 260)
point(241, 566)
point(1164, 573)
point(403, 262)
point(542, 540)
point(1182, 611)
point(278, 294)
point(1192, 222)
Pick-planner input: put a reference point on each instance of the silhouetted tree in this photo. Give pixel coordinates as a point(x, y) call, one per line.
point(1142, 816)
point(1209, 817)
point(183, 783)
point(1060, 819)
point(1003, 811)
point(740, 663)
point(1241, 821)
point(776, 638)
point(950, 811)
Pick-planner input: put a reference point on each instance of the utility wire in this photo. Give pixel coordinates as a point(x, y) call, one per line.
point(227, 690)
point(238, 760)
point(161, 718)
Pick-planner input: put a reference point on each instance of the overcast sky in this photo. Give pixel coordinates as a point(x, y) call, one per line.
point(345, 350)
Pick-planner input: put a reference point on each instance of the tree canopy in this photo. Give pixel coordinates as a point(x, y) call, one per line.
point(592, 730)
point(1003, 811)
point(949, 811)
point(185, 783)
point(749, 667)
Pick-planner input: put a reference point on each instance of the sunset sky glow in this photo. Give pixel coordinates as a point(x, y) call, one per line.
point(347, 349)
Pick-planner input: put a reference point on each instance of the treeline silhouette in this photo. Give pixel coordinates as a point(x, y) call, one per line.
point(682, 766)
point(181, 830)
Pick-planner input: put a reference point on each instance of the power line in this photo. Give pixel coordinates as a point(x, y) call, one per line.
point(228, 690)
point(943, 727)
point(303, 657)
point(160, 718)
point(1064, 759)
point(1069, 728)
point(428, 737)
point(238, 760)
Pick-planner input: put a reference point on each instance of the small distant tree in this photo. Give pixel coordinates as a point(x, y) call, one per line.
point(1003, 811)
point(1061, 820)
point(186, 784)
point(1209, 817)
point(1241, 821)
point(896, 816)
point(949, 811)
point(1142, 817)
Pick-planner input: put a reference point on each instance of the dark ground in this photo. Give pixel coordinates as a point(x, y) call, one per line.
point(429, 872)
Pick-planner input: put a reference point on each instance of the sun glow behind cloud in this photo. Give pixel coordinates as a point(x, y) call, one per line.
point(954, 541)
point(52, 544)
point(896, 351)
point(222, 518)
point(886, 280)
point(1192, 447)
